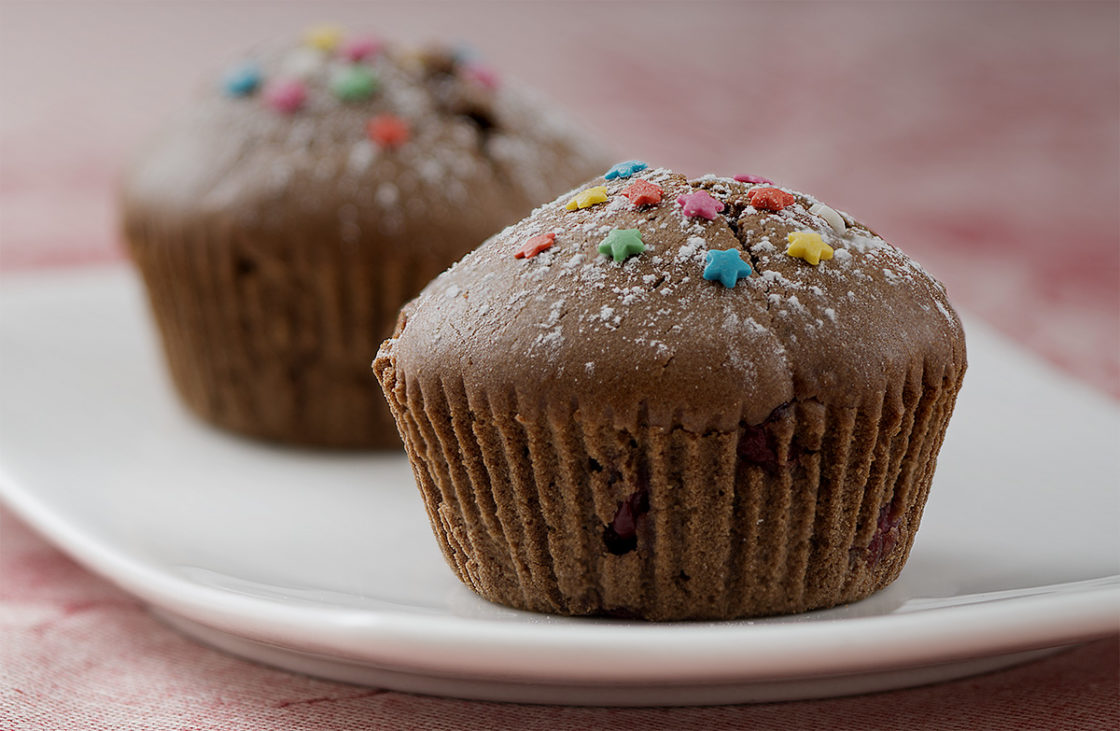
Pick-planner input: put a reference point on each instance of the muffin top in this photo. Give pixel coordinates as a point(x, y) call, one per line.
point(700, 302)
point(368, 136)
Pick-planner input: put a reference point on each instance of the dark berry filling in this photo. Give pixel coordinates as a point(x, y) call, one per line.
point(621, 534)
point(481, 118)
point(885, 538)
point(757, 447)
point(244, 266)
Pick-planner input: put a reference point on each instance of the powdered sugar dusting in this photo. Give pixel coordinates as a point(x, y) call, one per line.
point(655, 309)
point(694, 247)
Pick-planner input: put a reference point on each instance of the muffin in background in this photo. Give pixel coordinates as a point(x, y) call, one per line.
point(671, 398)
point(283, 218)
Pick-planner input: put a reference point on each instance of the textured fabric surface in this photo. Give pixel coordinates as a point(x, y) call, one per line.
point(981, 137)
point(77, 653)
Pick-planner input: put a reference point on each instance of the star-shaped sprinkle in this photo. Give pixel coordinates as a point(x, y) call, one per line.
point(285, 95)
point(756, 179)
point(387, 130)
point(622, 243)
point(535, 245)
point(323, 37)
point(831, 217)
point(769, 199)
point(726, 267)
point(588, 198)
point(625, 169)
point(243, 80)
point(479, 74)
point(701, 204)
point(360, 48)
point(643, 193)
point(302, 63)
point(809, 246)
point(354, 84)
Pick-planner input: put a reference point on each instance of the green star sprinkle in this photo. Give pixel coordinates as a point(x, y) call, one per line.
point(622, 243)
point(355, 84)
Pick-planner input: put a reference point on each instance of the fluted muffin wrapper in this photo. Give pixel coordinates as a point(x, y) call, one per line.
point(272, 337)
point(531, 500)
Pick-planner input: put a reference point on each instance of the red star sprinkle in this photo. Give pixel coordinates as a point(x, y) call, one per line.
point(387, 130)
point(643, 193)
point(535, 245)
point(769, 199)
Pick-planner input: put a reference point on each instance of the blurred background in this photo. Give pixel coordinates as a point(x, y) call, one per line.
point(982, 137)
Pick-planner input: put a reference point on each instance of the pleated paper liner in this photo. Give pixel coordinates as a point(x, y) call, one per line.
point(275, 342)
point(553, 508)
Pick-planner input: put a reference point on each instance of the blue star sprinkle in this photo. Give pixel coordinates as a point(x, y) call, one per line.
point(243, 80)
point(726, 267)
point(625, 169)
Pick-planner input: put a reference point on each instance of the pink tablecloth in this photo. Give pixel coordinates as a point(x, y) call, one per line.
point(982, 137)
point(78, 653)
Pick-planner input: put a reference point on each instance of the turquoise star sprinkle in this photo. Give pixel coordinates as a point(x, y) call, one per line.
point(726, 267)
point(243, 80)
point(625, 169)
point(622, 243)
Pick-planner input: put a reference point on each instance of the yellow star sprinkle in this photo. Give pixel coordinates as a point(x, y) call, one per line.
point(588, 198)
point(323, 37)
point(809, 246)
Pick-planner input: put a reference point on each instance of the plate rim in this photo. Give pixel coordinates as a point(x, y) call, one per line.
point(672, 652)
point(489, 648)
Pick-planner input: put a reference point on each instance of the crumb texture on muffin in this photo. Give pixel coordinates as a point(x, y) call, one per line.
point(706, 398)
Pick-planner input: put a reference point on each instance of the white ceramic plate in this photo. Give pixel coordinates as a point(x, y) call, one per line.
point(324, 563)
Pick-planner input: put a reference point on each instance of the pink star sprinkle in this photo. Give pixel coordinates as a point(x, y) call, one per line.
point(769, 199)
point(643, 193)
point(482, 75)
point(700, 203)
point(756, 179)
point(535, 245)
point(285, 95)
point(359, 48)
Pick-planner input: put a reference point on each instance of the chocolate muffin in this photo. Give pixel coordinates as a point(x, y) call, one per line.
point(676, 399)
point(282, 220)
